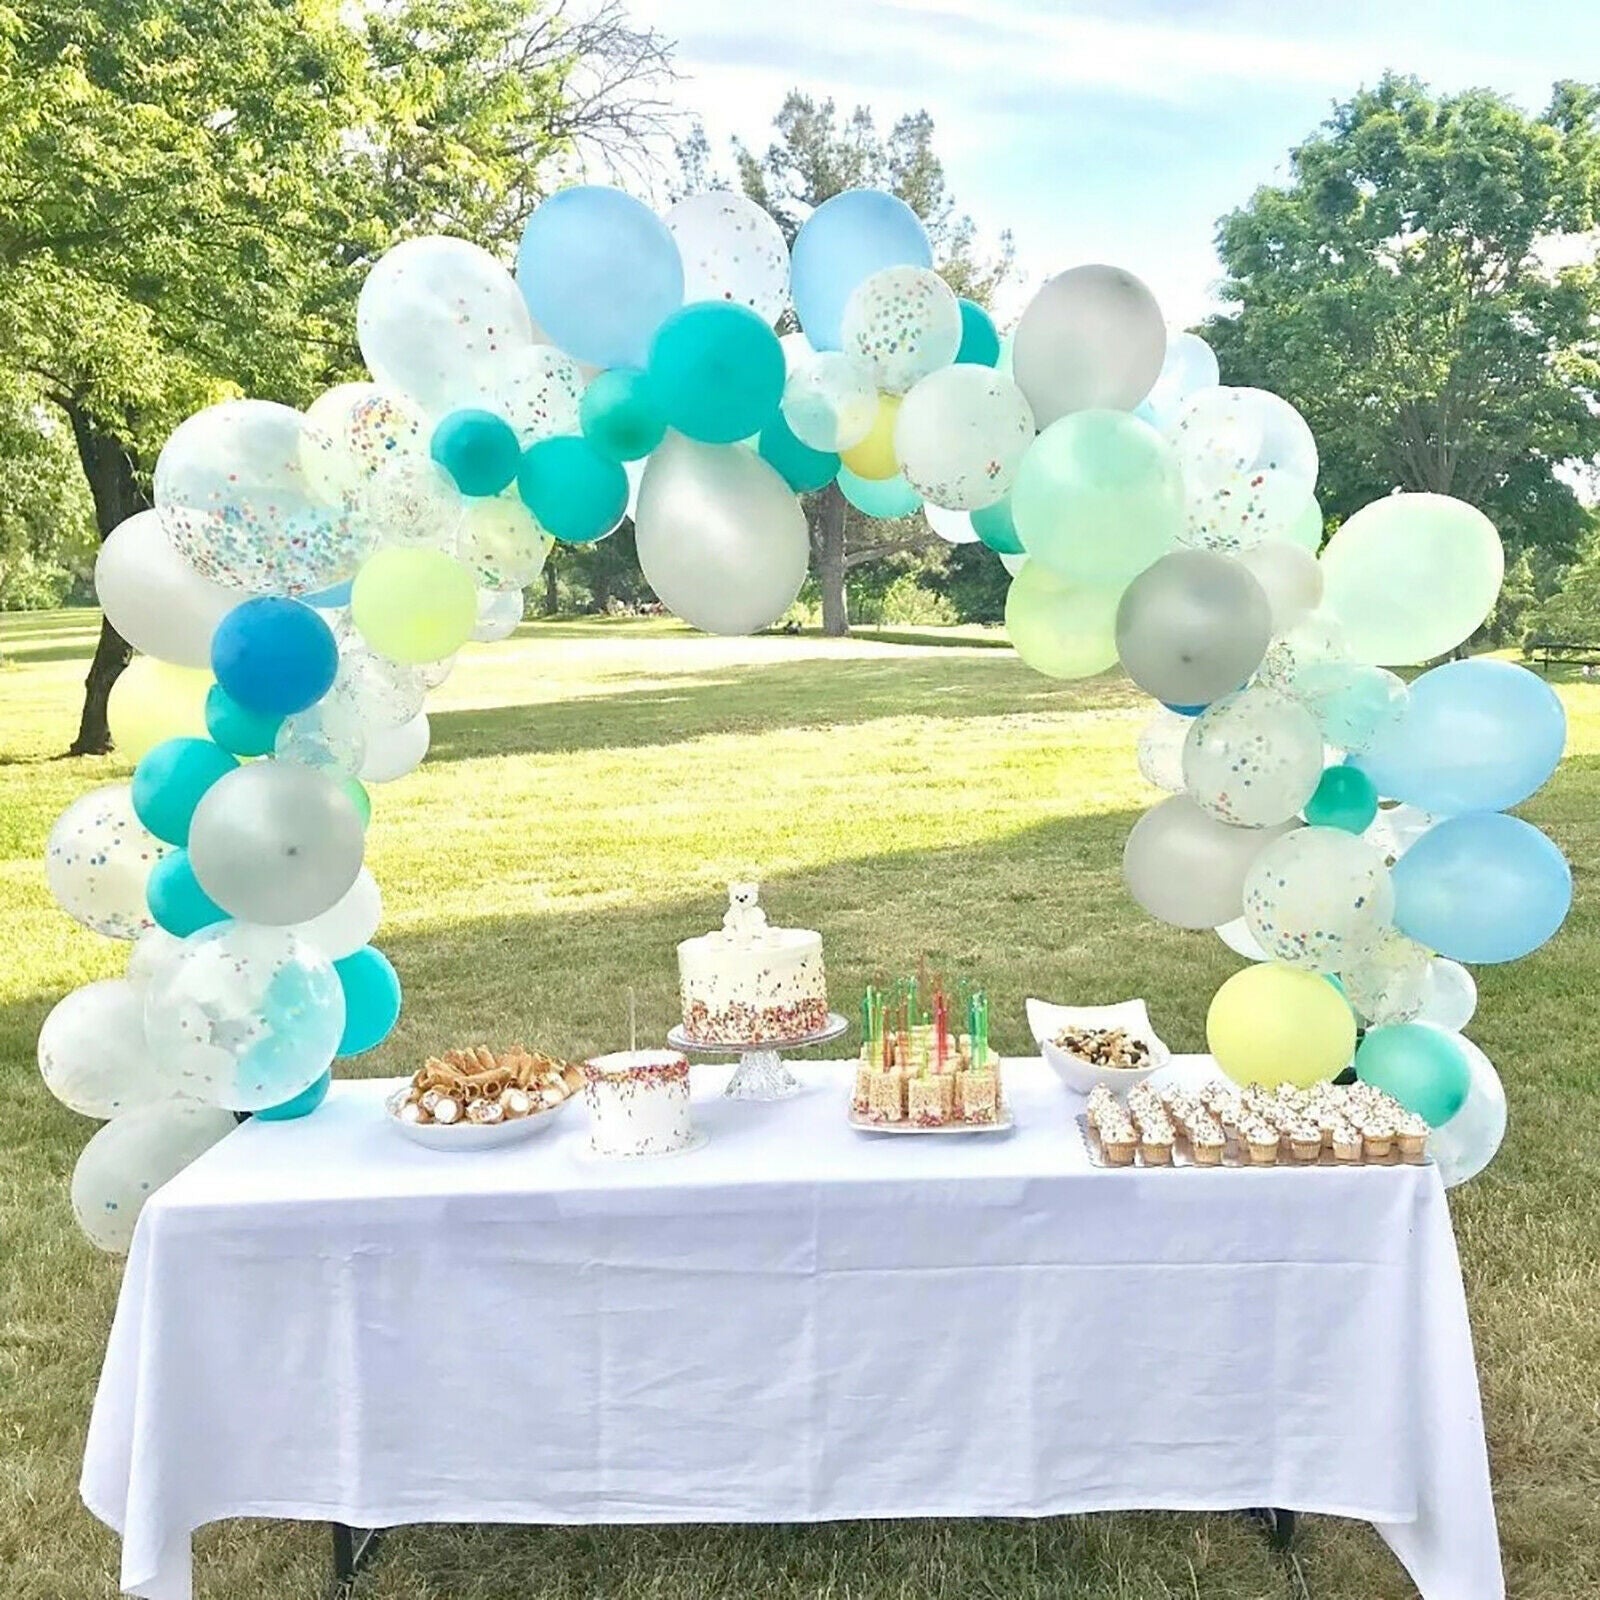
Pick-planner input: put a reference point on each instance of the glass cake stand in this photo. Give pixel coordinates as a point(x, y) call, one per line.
point(761, 1074)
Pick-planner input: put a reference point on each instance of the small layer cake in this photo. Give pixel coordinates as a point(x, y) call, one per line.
point(638, 1103)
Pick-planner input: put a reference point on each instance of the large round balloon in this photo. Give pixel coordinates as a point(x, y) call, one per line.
point(1098, 498)
point(394, 752)
point(904, 323)
point(1388, 982)
point(435, 318)
point(246, 1016)
point(1058, 628)
point(1421, 1067)
point(1091, 338)
point(93, 1055)
point(348, 923)
point(1482, 887)
point(1318, 898)
point(961, 434)
point(414, 605)
point(575, 493)
point(1160, 749)
point(1272, 1024)
point(154, 598)
point(131, 1157)
point(1412, 576)
point(1252, 758)
point(1289, 576)
point(1188, 367)
point(169, 781)
point(233, 494)
point(1476, 735)
point(717, 373)
point(274, 656)
point(732, 250)
point(721, 539)
point(841, 244)
point(275, 842)
point(1187, 868)
point(1192, 628)
point(600, 272)
point(502, 543)
point(97, 860)
point(1355, 705)
point(831, 401)
point(1462, 1147)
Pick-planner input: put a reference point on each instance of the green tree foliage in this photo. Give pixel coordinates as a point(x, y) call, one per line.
point(1400, 290)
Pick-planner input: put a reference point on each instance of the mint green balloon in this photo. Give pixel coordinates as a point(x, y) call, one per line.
point(1306, 529)
point(1421, 1066)
point(1098, 498)
point(1061, 629)
point(879, 497)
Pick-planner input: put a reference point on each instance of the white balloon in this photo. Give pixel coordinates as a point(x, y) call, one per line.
point(348, 923)
point(903, 322)
point(97, 861)
point(830, 401)
point(499, 614)
point(954, 527)
point(1188, 366)
point(1291, 579)
point(635, 472)
point(152, 950)
point(796, 350)
point(732, 250)
point(131, 1157)
point(1385, 984)
point(154, 598)
point(961, 434)
point(1449, 995)
point(1253, 758)
point(1160, 750)
point(376, 693)
point(1239, 939)
point(411, 500)
point(92, 1051)
point(1316, 640)
point(393, 752)
point(721, 538)
point(1318, 898)
point(1462, 1147)
point(537, 389)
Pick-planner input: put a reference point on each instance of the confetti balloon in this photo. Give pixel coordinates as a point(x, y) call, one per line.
point(1462, 1147)
point(538, 390)
point(352, 430)
point(1271, 1024)
point(961, 434)
point(1318, 898)
point(97, 860)
point(394, 752)
point(1355, 705)
point(1388, 982)
point(1187, 868)
point(410, 500)
point(1290, 578)
point(842, 243)
point(92, 1051)
point(904, 323)
point(327, 736)
point(378, 692)
point(1060, 629)
point(1160, 749)
point(1252, 758)
point(1188, 366)
point(154, 598)
point(1316, 640)
point(502, 544)
point(732, 250)
point(499, 614)
point(830, 401)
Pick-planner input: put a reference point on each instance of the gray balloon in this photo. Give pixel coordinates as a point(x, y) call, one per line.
point(1187, 868)
point(275, 842)
point(1193, 627)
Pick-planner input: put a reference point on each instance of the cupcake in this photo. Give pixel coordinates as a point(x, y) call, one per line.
point(1206, 1141)
point(1411, 1134)
point(1305, 1141)
point(1377, 1134)
point(1261, 1139)
point(1346, 1142)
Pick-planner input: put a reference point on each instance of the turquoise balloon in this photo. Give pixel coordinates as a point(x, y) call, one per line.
point(577, 494)
point(994, 525)
point(801, 467)
point(718, 371)
point(1420, 1065)
point(980, 339)
point(1344, 798)
point(619, 415)
point(478, 449)
point(245, 733)
point(302, 1105)
point(371, 999)
point(840, 245)
point(175, 897)
point(169, 781)
point(879, 497)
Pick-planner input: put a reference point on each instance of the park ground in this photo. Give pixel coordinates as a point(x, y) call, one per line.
point(591, 788)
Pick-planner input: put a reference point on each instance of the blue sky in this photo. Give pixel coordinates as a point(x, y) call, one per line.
point(1109, 132)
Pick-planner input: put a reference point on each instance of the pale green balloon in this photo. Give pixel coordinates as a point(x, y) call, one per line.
point(1098, 498)
point(1062, 630)
point(1306, 529)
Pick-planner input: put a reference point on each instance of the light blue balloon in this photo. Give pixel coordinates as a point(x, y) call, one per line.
point(1476, 735)
point(1481, 887)
point(599, 273)
point(843, 242)
point(879, 497)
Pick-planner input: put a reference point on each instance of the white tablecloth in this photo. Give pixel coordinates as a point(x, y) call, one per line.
point(797, 1322)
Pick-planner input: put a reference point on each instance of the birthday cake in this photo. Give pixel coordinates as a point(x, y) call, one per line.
point(638, 1103)
point(749, 983)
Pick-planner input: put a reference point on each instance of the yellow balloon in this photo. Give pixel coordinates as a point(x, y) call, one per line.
point(874, 457)
point(155, 700)
point(1274, 1024)
point(1061, 629)
point(414, 604)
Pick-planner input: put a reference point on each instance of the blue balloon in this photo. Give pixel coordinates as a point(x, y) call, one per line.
point(842, 243)
point(801, 467)
point(577, 494)
point(302, 1105)
point(245, 733)
point(1183, 711)
point(1477, 735)
point(175, 897)
point(980, 340)
point(371, 999)
point(333, 599)
point(879, 497)
point(1481, 887)
point(274, 656)
point(169, 781)
point(994, 525)
point(600, 273)
point(479, 449)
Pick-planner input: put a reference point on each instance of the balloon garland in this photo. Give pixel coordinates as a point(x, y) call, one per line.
point(306, 577)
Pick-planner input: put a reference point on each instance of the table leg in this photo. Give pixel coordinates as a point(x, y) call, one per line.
point(353, 1548)
point(1277, 1523)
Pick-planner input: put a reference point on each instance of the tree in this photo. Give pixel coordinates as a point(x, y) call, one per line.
point(1397, 290)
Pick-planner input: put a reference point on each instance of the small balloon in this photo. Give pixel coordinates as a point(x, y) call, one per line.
point(538, 390)
point(348, 923)
point(151, 951)
point(479, 450)
point(996, 526)
point(619, 414)
point(1160, 749)
point(154, 598)
point(92, 1052)
point(1239, 939)
point(1355, 705)
point(954, 527)
point(371, 999)
point(502, 545)
point(154, 700)
point(801, 467)
point(575, 493)
point(1419, 1066)
point(299, 1105)
point(1318, 898)
point(879, 497)
point(1187, 367)
point(1058, 628)
point(1344, 798)
point(169, 781)
point(1315, 641)
point(1387, 983)
point(732, 250)
point(1449, 995)
point(412, 501)
point(873, 456)
point(980, 341)
point(274, 656)
point(717, 372)
point(843, 242)
point(499, 614)
point(327, 736)
point(98, 859)
point(1462, 1147)
point(177, 902)
point(961, 434)
point(395, 752)
point(904, 323)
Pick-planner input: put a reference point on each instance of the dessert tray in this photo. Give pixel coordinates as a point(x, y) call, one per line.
point(1003, 1123)
point(474, 1099)
point(761, 1073)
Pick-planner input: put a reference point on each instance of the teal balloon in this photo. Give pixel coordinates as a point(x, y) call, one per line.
point(478, 449)
point(302, 1104)
point(879, 497)
point(801, 467)
point(619, 415)
point(176, 900)
point(577, 494)
point(1421, 1066)
point(717, 371)
point(994, 525)
point(244, 733)
point(980, 339)
point(169, 781)
point(371, 999)
point(1344, 798)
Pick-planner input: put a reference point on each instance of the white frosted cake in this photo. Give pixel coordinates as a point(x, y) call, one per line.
point(748, 983)
point(638, 1103)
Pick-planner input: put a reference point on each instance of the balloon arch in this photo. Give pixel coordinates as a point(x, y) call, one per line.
point(305, 578)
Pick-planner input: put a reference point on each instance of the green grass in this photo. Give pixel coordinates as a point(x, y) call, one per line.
point(592, 787)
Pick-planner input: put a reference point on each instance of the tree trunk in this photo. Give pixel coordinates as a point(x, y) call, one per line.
point(552, 595)
point(827, 542)
point(113, 480)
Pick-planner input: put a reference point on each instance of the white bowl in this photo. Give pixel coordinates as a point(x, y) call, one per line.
point(478, 1135)
point(1081, 1076)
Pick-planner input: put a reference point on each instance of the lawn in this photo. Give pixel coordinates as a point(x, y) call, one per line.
point(592, 786)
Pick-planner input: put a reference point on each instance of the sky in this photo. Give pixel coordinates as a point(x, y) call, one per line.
point(1101, 131)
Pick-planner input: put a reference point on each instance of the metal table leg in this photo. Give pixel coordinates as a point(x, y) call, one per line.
point(353, 1548)
point(1277, 1523)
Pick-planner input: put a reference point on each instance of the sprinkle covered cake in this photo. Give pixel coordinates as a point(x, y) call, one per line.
point(638, 1103)
point(748, 983)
